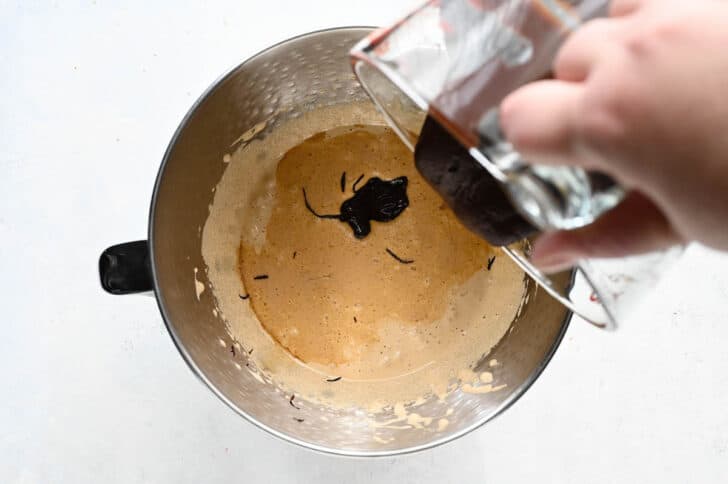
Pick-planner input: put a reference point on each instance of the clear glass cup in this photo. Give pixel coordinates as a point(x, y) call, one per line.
point(456, 60)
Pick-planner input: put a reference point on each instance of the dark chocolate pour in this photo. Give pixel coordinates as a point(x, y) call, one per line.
point(473, 194)
point(490, 262)
point(378, 200)
point(398, 258)
point(310, 209)
point(353, 187)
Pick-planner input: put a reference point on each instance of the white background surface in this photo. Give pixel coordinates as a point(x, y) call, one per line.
point(91, 387)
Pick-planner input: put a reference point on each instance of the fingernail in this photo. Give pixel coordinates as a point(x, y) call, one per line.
point(554, 261)
point(504, 115)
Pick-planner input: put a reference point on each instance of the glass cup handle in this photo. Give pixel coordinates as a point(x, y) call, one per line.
point(601, 319)
point(604, 290)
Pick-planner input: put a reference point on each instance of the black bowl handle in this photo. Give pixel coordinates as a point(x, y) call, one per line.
point(126, 269)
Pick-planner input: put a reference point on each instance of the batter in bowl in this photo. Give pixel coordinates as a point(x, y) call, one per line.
point(339, 317)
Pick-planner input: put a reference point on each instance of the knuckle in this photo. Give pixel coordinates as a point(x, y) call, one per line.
point(582, 47)
point(566, 57)
point(595, 26)
point(667, 29)
point(591, 31)
point(625, 7)
point(642, 42)
point(639, 43)
point(601, 122)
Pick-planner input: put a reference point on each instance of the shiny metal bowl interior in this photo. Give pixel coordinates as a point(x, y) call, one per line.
point(293, 77)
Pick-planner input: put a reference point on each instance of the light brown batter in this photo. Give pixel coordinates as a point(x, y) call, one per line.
point(343, 306)
point(327, 304)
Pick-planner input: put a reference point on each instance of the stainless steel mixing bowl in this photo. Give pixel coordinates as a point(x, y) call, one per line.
point(290, 78)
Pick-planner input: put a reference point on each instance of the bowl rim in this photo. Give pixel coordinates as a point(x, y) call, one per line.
point(179, 344)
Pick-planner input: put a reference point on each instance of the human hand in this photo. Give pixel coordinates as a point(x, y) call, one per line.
point(643, 97)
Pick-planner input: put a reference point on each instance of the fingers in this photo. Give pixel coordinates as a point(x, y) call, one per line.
point(539, 120)
point(551, 121)
point(636, 226)
point(584, 48)
point(593, 41)
point(620, 8)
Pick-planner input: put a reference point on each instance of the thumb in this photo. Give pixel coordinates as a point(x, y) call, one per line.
point(635, 226)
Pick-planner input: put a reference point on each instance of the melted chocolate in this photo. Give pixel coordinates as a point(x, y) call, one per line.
point(398, 258)
point(353, 187)
point(473, 194)
point(378, 200)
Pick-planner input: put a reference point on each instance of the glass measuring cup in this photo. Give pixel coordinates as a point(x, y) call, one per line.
point(456, 60)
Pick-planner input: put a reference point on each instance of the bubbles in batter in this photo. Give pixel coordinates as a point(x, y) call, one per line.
point(346, 320)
